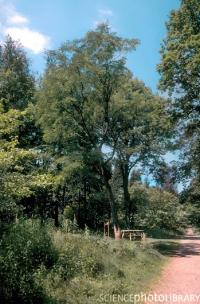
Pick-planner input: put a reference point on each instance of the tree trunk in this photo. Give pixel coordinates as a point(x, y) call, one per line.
point(127, 200)
point(56, 215)
point(114, 215)
point(56, 210)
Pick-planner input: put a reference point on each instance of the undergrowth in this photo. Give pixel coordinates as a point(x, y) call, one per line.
point(92, 269)
point(40, 264)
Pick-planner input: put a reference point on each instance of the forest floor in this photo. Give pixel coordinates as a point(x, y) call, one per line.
point(180, 279)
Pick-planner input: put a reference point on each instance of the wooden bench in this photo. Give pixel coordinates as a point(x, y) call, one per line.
point(133, 234)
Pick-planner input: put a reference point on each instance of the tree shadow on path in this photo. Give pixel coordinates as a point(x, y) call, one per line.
point(176, 249)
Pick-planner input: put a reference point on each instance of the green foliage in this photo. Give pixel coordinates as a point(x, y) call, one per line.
point(140, 132)
point(68, 213)
point(24, 248)
point(23, 175)
point(157, 208)
point(180, 53)
point(166, 176)
point(89, 103)
point(75, 86)
point(17, 83)
point(191, 198)
point(193, 211)
point(75, 262)
point(98, 123)
point(89, 267)
point(179, 69)
point(77, 96)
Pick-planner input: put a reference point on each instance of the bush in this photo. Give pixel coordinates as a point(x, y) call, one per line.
point(193, 212)
point(24, 248)
point(8, 213)
point(77, 258)
point(158, 209)
point(67, 266)
point(68, 213)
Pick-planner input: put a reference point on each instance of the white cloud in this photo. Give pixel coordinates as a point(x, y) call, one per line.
point(13, 23)
point(17, 19)
point(30, 39)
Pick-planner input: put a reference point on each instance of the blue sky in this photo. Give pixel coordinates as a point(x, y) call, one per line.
point(44, 24)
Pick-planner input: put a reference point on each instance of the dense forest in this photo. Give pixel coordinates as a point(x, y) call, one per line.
point(87, 143)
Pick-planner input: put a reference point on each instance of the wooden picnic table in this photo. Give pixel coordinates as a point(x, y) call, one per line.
point(133, 233)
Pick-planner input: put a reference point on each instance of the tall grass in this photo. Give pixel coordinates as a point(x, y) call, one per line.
point(41, 264)
point(90, 268)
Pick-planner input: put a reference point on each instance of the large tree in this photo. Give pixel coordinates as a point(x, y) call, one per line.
point(180, 76)
point(141, 129)
point(95, 115)
point(76, 100)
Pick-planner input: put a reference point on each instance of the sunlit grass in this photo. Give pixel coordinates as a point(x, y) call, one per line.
point(91, 267)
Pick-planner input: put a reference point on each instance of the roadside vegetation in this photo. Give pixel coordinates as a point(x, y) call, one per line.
point(48, 265)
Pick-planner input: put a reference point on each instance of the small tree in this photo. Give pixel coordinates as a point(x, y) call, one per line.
point(19, 170)
point(17, 83)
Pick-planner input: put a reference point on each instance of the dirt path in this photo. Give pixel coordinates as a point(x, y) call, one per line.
point(180, 280)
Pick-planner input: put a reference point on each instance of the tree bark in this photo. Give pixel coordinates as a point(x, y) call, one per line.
point(127, 200)
point(114, 215)
point(56, 215)
point(56, 210)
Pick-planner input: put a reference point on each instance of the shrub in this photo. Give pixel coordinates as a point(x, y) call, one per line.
point(8, 213)
point(157, 209)
point(68, 213)
point(24, 248)
point(78, 258)
point(193, 212)
point(67, 265)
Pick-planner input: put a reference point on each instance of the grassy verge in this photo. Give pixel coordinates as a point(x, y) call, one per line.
point(92, 269)
point(158, 233)
point(39, 264)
